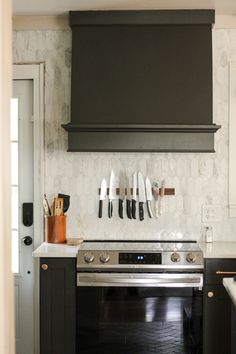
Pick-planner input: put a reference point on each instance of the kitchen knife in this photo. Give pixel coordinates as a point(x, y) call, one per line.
point(103, 194)
point(141, 196)
point(128, 199)
point(121, 194)
point(112, 194)
point(156, 196)
point(134, 198)
point(149, 196)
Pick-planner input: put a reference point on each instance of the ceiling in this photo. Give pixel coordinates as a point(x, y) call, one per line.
point(60, 7)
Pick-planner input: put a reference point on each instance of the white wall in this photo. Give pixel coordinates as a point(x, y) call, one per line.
point(198, 178)
point(7, 342)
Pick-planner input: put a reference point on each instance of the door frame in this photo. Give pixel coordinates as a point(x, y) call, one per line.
point(35, 72)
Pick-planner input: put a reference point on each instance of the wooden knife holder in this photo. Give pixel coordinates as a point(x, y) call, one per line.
point(55, 229)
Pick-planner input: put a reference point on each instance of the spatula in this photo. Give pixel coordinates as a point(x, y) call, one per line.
point(66, 201)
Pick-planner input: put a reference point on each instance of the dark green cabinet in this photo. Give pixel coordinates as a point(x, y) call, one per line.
point(57, 306)
point(217, 307)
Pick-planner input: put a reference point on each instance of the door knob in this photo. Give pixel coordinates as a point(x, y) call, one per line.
point(210, 294)
point(27, 240)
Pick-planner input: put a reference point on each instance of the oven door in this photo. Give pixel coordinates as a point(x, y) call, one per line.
point(138, 313)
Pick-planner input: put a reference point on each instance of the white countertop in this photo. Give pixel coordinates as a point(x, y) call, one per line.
point(230, 286)
point(55, 250)
point(210, 250)
point(218, 249)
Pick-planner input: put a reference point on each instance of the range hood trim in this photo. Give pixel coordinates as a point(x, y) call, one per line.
point(142, 17)
point(212, 128)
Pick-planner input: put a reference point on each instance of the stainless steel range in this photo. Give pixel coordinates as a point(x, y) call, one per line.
point(139, 297)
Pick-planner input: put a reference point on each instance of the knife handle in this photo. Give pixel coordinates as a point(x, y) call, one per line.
point(149, 209)
point(110, 208)
point(133, 208)
point(128, 208)
point(141, 211)
point(121, 208)
point(100, 209)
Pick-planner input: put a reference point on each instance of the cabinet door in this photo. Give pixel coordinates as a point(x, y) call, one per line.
point(57, 306)
point(216, 314)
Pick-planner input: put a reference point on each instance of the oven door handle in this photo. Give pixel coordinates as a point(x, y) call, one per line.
point(140, 280)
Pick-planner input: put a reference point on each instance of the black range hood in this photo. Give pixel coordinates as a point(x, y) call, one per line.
point(141, 81)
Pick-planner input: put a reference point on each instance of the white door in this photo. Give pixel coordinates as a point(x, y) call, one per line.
point(22, 192)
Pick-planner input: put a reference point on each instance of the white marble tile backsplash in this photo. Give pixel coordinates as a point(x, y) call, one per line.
point(198, 178)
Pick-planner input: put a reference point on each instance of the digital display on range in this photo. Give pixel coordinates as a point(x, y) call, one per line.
point(139, 258)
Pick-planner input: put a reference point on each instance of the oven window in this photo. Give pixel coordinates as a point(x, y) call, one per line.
point(132, 320)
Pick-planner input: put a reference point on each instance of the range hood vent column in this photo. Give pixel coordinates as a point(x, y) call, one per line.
point(141, 81)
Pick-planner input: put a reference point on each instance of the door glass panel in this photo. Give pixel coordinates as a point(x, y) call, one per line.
point(14, 119)
point(15, 185)
point(14, 163)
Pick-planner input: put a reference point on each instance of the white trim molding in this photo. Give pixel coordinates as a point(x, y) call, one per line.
point(37, 23)
point(232, 139)
point(7, 327)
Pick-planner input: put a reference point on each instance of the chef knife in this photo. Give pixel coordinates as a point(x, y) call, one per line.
point(128, 199)
point(121, 194)
point(142, 196)
point(156, 196)
point(103, 194)
point(149, 196)
point(112, 194)
point(134, 198)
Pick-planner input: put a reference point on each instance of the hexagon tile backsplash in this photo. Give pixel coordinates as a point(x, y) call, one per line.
point(198, 179)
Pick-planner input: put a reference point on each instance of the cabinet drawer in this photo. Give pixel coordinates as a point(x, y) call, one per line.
point(214, 266)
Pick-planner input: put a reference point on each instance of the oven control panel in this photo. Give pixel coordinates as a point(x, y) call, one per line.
point(140, 258)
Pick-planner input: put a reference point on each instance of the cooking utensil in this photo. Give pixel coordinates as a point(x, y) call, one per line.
point(103, 195)
point(112, 194)
point(149, 196)
point(134, 197)
point(156, 196)
point(46, 206)
point(66, 201)
point(58, 207)
point(141, 196)
point(121, 194)
point(128, 199)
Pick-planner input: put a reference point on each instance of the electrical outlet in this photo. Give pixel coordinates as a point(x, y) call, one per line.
point(210, 213)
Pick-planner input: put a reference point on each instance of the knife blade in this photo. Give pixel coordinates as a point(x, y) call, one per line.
point(103, 195)
point(134, 197)
point(128, 199)
point(112, 194)
point(121, 194)
point(156, 196)
point(149, 196)
point(142, 195)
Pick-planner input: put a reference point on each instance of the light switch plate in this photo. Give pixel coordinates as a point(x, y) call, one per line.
point(210, 213)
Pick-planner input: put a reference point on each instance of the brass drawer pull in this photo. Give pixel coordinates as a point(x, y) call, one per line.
point(219, 272)
point(44, 266)
point(210, 294)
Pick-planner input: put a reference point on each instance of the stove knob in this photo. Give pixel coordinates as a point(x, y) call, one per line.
point(104, 257)
point(191, 258)
point(175, 257)
point(89, 257)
